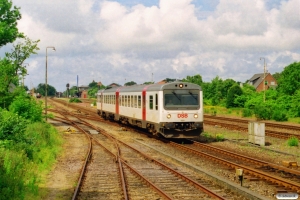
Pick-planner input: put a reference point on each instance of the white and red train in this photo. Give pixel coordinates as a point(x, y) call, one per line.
point(174, 110)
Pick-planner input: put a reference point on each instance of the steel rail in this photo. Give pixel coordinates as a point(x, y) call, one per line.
point(247, 158)
point(284, 126)
point(269, 133)
point(121, 172)
point(280, 181)
point(187, 179)
point(194, 183)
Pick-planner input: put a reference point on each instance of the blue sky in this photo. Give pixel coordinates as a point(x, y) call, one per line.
point(121, 41)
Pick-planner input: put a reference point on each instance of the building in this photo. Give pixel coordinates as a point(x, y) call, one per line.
point(83, 87)
point(113, 85)
point(258, 81)
point(82, 91)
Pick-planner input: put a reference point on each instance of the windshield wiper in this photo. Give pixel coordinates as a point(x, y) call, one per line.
point(193, 96)
point(176, 96)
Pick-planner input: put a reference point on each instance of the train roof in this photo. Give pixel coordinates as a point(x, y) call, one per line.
point(152, 87)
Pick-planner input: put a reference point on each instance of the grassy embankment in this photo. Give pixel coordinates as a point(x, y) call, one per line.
point(28, 150)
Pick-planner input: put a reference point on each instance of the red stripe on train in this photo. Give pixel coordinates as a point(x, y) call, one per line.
point(144, 102)
point(117, 100)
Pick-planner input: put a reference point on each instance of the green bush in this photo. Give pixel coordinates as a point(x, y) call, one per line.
point(206, 135)
point(213, 111)
point(233, 92)
point(12, 126)
point(27, 107)
point(262, 111)
point(293, 141)
point(246, 112)
point(220, 137)
point(75, 100)
point(22, 161)
point(279, 115)
point(17, 175)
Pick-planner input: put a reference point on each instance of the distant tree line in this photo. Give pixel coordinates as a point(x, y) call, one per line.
point(280, 103)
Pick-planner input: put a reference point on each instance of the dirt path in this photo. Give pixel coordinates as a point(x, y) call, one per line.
point(61, 181)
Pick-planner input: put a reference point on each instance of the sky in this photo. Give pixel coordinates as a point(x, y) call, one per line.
point(150, 40)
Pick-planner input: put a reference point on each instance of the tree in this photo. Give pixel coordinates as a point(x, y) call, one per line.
point(8, 22)
point(168, 80)
point(74, 91)
point(197, 79)
point(92, 92)
point(8, 81)
point(50, 89)
point(225, 86)
point(22, 51)
point(276, 76)
point(130, 83)
point(93, 84)
point(148, 83)
point(233, 93)
point(289, 80)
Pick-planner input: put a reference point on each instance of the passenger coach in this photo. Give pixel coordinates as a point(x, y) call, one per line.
point(174, 110)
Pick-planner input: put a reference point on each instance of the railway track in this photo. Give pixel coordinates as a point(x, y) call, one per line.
point(242, 125)
point(262, 170)
point(286, 177)
point(166, 182)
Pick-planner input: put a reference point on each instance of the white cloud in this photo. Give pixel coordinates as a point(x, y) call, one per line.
point(113, 41)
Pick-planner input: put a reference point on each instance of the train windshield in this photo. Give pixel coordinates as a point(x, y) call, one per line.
point(181, 99)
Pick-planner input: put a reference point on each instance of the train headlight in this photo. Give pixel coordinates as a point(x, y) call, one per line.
point(181, 85)
point(169, 116)
point(196, 116)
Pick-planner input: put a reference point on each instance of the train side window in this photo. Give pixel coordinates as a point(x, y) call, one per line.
point(135, 101)
point(125, 100)
point(156, 102)
point(151, 102)
point(129, 101)
point(114, 99)
point(139, 101)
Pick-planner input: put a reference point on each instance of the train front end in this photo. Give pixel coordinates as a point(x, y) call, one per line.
point(182, 113)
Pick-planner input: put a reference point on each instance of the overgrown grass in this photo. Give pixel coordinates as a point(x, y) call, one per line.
point(75, 100)
point(220, 137)
point(293, 142)
point(243, 112)
point(219, 110)
point(23, 161)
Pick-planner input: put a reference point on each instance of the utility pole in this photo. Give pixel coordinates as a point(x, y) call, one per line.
point(264, 78)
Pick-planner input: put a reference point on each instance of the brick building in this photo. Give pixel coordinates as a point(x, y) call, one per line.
point(258, 81)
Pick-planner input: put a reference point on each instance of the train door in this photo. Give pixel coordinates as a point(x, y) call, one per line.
point(117, 102)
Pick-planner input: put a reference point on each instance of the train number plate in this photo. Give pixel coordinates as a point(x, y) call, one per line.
point(182, 115)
